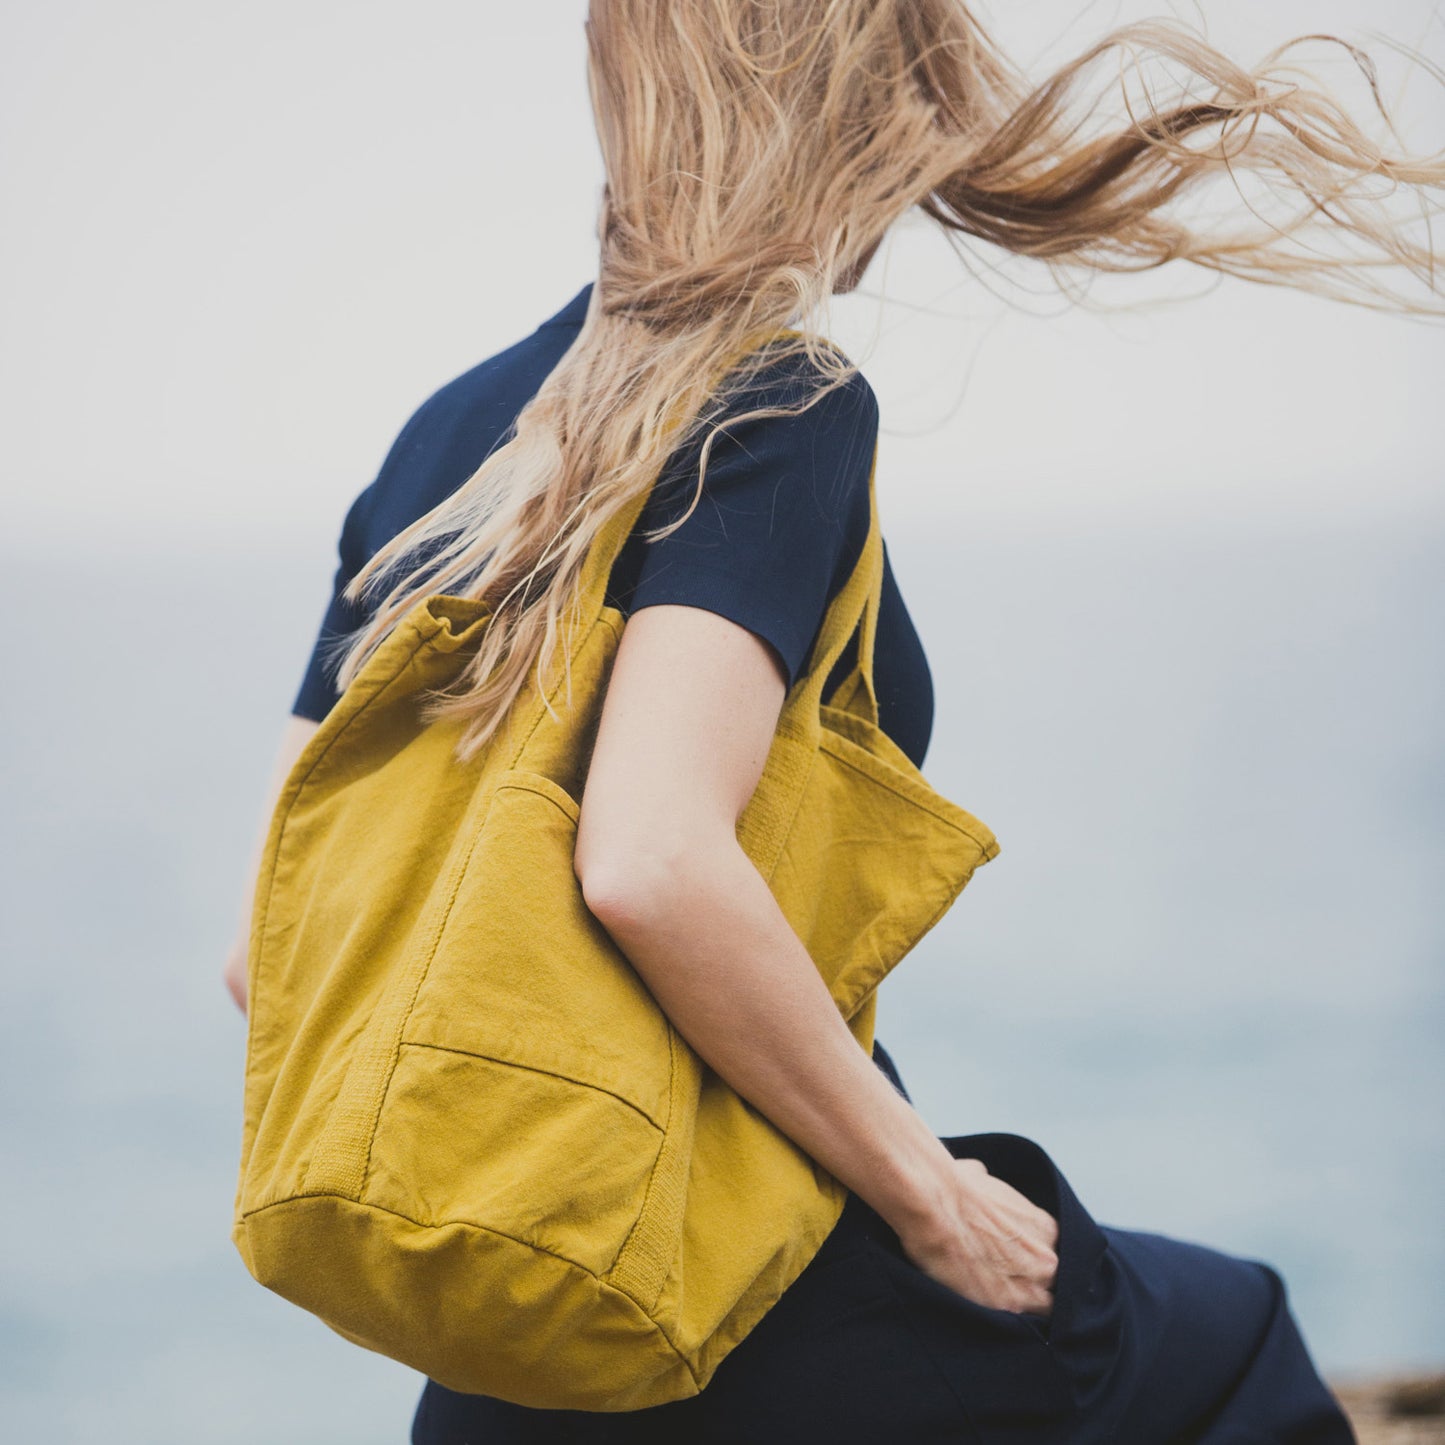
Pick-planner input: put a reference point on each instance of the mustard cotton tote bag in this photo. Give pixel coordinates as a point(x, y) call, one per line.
point(472, 1140)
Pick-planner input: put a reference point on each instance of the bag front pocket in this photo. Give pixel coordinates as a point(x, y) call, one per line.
point(523, 972)
point(537, 1158)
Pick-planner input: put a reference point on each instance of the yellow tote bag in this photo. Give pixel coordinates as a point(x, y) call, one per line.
point(473, 1141)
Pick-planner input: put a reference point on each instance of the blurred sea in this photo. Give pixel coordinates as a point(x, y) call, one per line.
point(1206, 971)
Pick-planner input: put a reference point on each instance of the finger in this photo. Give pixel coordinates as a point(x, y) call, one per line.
point(1049, 1229)
point(1042, 1225)
point(1052, 1277)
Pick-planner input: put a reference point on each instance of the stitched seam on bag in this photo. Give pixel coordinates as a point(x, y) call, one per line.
point(851, 1009)
point(316, 762)
point(908, 795)
point(393, 1052)
point(482, 1229)
point(653, 1201)
point(388, 1057)
point(273, 858)
point(547, 797)
point(534, 1069)
point(446, 913)
point(785, 827)
point(456, 884)
point(419, 1223)
point(557, 686)
point(636, 1225)
point(524, 780)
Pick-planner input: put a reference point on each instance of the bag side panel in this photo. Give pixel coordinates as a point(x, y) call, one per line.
point(873, 863)
point(870, 864)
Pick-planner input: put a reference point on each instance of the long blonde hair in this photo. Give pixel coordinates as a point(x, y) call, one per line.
point(756, 151)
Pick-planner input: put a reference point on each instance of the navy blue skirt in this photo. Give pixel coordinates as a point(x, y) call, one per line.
point(1152, 1341)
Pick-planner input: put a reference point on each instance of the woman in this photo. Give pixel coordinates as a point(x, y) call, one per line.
point(756, 156)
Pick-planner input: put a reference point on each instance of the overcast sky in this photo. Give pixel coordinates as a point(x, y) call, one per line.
point(242, 243)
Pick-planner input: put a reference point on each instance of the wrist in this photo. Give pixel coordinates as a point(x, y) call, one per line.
point(918, 1195)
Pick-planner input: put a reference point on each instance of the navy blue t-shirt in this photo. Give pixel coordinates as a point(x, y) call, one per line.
point(779, 526)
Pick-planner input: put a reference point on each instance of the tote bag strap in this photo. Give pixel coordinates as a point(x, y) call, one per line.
point(607, 545)
point(856, 603)
point(857, 692)
point(854, 608)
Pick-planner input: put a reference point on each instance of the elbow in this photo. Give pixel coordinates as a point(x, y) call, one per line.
point(630, 890)
point(635, 886)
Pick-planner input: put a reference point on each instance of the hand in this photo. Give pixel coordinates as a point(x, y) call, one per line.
point(234, 974)
point(992, 1245)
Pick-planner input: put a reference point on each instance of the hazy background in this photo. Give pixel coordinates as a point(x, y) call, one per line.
point(1178, 572)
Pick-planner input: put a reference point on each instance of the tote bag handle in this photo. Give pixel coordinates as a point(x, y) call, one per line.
point(854, 608)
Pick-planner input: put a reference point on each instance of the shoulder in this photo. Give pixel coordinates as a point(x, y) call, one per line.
point(794, 382)
point(781, 512)
point(788, 436)
point(454, 429)
point(483, 401)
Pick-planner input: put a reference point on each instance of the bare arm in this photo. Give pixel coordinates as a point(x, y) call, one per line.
point(686, 725)
point(294, 737)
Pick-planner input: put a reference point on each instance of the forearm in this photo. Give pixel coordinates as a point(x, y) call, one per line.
point(708, 938)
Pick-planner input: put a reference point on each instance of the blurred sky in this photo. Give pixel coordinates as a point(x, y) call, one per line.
point(1177, 570)
point(244, 241)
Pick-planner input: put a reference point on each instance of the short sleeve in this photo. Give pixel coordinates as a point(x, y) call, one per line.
point(781, 519)
point(377, 514)
point(318, 693)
